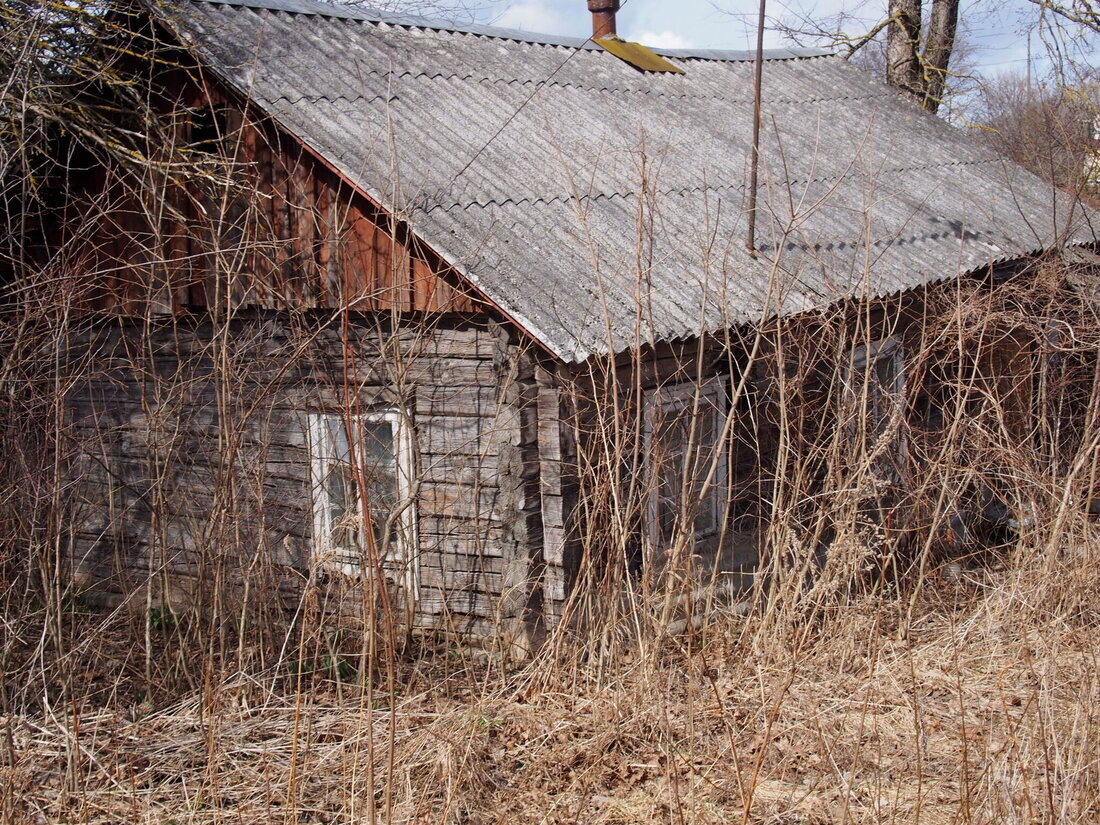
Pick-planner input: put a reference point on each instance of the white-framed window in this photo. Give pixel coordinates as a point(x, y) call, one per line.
point(876, 392)
point(683, 440)
point(361, 471)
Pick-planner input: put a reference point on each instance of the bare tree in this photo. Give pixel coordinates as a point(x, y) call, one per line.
point(1047, 129)
point(920, 43)
point(918, 51)
point(1084, 13)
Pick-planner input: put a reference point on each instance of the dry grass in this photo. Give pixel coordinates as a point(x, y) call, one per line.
point(868, 687)
point(983, 709)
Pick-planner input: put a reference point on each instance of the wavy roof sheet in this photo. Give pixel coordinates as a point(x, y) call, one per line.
point(600, 206)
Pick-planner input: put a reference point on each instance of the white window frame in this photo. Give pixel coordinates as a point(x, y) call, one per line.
point(404, 539)
point(889, 347)
point(677, 398)
point(864, 356)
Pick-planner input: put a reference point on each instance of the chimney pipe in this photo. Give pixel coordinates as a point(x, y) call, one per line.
point(603, 18)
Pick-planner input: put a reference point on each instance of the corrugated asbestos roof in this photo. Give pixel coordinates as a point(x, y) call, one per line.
point(600, 206)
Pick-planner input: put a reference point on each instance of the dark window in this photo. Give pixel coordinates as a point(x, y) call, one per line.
point(209, 128)
point(876, 397)
point(683, 441)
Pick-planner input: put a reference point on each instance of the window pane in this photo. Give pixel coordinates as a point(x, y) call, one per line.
point(685, 436)
point(670, 478)
point(886, 372)
point(706, 517)
point(377, 443)
point(359, 466)
point(878, 383)
point(338, 439)
point(342, 507)
point(379, 472)
point(337, 489)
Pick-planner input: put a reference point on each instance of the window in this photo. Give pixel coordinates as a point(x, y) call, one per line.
point(210, 127)
point(683, 430)
point(876, 389)
point(362, 463)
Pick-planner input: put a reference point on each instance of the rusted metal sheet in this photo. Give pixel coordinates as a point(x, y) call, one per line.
point(637, 55)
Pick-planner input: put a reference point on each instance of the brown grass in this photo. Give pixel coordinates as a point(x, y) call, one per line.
point(868, 683)
point(983, 709)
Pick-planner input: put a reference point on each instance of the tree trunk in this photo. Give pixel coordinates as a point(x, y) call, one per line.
point(938, 46)
point(903, 70)
point(920, 74)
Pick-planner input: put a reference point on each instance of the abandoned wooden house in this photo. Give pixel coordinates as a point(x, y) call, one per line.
point(386, 333)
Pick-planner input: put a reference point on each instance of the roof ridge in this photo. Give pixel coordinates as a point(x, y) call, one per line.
point(560, 84)
point(320, 8)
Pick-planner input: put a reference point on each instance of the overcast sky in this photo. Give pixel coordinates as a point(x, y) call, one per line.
point(997, 31)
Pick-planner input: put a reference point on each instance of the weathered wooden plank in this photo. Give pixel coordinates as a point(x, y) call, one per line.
point(463, 602)
point(464, 343)
point(464, 536)
point(458, 562)
point(434, 346)
point(471, 501)
point(463, 436)
point(447, 580)
point(553, 510)
point(467, 400)
point(451, 373)
point(470, 628)
point(554, 591)
point(550, 436)
point(462, 469)
point(304, 191)
point(466, 545)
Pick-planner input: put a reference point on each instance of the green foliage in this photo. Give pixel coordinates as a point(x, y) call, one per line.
point(161, 618)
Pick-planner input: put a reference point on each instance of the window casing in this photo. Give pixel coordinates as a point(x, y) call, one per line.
point(683, 440)
point(876, 392)
point(363, 463)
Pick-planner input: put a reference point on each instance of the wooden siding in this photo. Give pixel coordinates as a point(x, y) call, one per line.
point(551, 442)
point(189, 454)
point(251, 220)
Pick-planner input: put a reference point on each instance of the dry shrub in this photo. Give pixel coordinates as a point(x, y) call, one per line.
point(984, 709)
point(902, 654)
point(874, 672)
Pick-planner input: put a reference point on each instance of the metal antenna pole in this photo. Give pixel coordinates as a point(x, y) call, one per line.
point(757, 80)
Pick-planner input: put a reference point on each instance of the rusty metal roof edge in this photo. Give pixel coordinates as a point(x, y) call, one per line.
point(369, 15)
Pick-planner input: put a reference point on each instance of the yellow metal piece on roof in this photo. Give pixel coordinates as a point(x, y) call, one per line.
point(638, 55)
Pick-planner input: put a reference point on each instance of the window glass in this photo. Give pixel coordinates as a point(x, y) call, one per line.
point(359, 462)
point(684, 429)
point(876, 388)
point(380, 471)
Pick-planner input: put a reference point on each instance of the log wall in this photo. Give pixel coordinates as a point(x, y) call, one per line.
point(190, 456)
